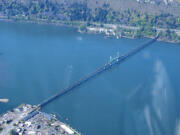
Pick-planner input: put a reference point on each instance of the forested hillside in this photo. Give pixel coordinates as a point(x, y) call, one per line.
point(149, 16)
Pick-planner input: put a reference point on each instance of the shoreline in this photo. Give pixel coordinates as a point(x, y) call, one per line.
point(129, 37)
point(89, 30)
point(40, 123)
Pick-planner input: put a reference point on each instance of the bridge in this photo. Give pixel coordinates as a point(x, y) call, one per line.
point(98, 71)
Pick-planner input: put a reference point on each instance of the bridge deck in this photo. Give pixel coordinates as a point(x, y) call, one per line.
point(100, 70)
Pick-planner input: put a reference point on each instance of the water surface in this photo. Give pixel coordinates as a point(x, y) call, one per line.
point(138, 97)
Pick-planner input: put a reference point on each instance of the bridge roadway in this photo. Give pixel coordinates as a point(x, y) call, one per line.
point(100, 70)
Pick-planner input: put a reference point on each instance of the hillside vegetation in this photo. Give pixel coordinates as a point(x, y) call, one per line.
point(146, 15)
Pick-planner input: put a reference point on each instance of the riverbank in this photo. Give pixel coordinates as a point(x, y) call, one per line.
point(42, 123)
point(109, 30)
point(123, 31)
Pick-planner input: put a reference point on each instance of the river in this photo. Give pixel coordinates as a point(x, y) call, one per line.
point(138, 97)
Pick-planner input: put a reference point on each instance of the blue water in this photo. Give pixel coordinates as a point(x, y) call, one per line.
point(138, 97)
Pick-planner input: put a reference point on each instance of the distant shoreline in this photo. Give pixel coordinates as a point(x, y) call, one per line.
point(77, 25)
